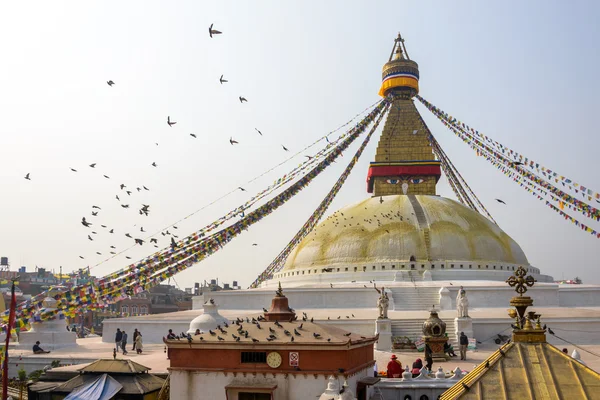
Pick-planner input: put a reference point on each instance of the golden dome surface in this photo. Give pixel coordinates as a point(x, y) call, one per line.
point(401, 228)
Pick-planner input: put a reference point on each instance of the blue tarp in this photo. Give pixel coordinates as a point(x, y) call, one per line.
point(103, 388)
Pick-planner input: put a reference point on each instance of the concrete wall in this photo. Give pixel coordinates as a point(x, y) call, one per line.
point(298, 298)
point(211, 385)
point(578, 296)
point(495, 296)
point(575, 330)
point(152, 331)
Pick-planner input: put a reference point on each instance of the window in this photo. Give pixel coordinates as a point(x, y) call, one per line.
point(143, 310)
point(393, 267)
point(451, 265)
point(254, 357)
point(461, 265)
point(134, 310)
point(432, 266)
point(422, 266)
point(373, 267)
point(442, 266)
point(345, 269)
point(124, 309)
point(254, 396)
point(424, 397)
point(383, 267)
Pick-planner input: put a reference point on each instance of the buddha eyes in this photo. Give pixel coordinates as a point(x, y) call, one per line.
point(414, 181)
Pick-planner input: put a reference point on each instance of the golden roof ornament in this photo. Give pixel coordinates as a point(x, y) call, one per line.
point(279, 292)
point(523, 328)
point(520, 282)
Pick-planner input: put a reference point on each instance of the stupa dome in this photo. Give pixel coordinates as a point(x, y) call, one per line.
point(399, 229)
point(209, 320)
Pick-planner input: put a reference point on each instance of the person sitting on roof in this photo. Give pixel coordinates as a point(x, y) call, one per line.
point(38, 350)
point(394, 368)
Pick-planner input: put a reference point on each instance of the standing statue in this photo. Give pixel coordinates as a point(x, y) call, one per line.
point(462, 303)
point(383, 302)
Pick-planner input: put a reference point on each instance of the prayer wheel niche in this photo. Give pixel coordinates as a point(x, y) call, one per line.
point(434, 333)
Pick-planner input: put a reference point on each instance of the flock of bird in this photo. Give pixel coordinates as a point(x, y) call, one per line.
point(124, 193)
point(269, 330)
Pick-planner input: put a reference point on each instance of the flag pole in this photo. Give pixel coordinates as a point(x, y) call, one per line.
point(11, 320)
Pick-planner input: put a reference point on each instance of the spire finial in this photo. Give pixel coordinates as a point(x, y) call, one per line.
point(279, 291)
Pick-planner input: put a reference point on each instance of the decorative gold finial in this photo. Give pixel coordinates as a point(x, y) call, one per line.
point(520, 282)
point(279, 291)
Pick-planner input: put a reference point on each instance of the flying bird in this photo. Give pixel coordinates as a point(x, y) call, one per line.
point(142, 229)
point(128, 235)
point(111, 231)
point(122, 185)
point(117, 196)
point(125, 205)
point(230, 141)
point(96, 207)
point(154, 164)
point(192, 135)
point(73, 169)
point(27, 177)
point(110, 83)
point(93, 165)
point(145, 188)
point(243, 99)
point(222, 80)
point(169, 122)
point(139, 241)
point(128, 192)
point(127, 257)
point(90, 238)
point(242, 189)
point(82, 257)
point(254, 244)
point(284, 148)
point(85, 223)
point(212, 31)
point(517, 163)
point(173, 243)
point(500, 201)
point(94, 213)
point(309, 157)
point(153, 240)
point(258, 131)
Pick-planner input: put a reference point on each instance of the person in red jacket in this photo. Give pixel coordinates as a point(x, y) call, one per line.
point(394, 368)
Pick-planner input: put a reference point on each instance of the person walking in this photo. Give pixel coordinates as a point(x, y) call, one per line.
point(138, 345)
point(124, 343)
point(118, 338)
point(464, 342)
point(135, 335)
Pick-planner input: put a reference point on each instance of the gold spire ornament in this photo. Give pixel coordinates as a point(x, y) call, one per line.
point(524, 330)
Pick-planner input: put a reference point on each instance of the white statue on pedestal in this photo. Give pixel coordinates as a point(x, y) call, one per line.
point(383, 302)
point(462, 304)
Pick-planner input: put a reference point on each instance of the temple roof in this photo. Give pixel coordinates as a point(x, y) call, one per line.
point(304, 334)
point(520, 370)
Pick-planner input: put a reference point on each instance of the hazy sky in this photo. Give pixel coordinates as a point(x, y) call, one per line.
point(524, 74)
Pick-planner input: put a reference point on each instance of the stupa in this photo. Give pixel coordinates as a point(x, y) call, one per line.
point(421, 246)
point(405, 226)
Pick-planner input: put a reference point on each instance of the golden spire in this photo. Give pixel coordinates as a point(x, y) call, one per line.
point(523, 329)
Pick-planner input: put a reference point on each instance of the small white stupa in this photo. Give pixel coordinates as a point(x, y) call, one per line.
point(207, 320)
point(52, 334)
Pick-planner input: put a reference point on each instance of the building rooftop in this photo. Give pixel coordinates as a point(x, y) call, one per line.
point(119, 366)
point(521, 370)
point(276, 333)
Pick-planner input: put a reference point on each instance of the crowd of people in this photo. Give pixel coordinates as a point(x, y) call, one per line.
point(121, 338)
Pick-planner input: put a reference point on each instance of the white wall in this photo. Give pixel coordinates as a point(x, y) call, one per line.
point(579, 296)
point(211, 385)
point(298, 298)
point(575, 330)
